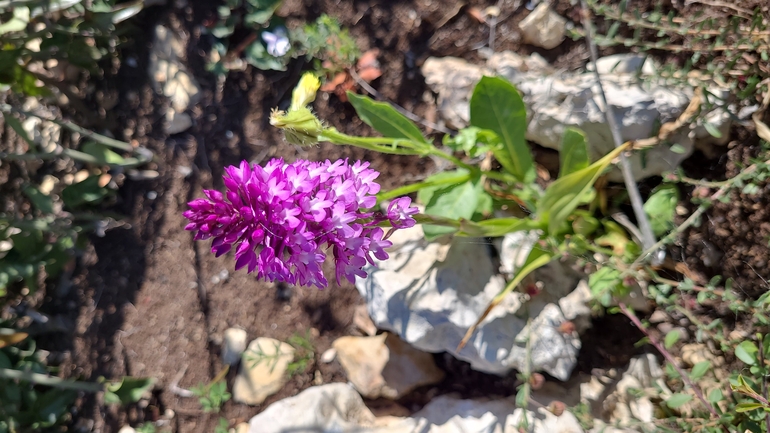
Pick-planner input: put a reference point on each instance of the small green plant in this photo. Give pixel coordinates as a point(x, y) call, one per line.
point(214, 394)
point(147, 427)
point(269, 45)
point(303, 353)
point(721, 49)
point(35, 33)
point(222, 426)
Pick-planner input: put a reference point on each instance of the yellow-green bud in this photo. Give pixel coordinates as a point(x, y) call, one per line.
point(305, 91)
point(299, 126)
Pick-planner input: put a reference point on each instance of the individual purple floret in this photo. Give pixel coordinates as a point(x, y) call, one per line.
point(400, 214)
point(283, 218)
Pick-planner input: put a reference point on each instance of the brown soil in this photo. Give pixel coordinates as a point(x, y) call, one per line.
point(148, 301)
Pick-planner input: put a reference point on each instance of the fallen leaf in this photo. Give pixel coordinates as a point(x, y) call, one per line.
point(332, 84)
point(9, 339)
point(368, 59)
point(477, 15)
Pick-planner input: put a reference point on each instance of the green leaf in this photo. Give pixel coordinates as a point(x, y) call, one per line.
point(564, 195)
point(256, 55)
point(747, 352)
point(496, 105)
point(700, 369)
point(715, 396)
point(260, 11)
point(661, 208)
point(678, 400)
point(573, 152)
point(427, 187)
point(385, 119)
point(128, 390)
point(84, 192)
point(435, 182)
point(678, 148)
point(712, 130)
point(454, 202)
point(471, 140)
point(16, 126)
point(605, 283)
point(41, 201)
point(495, 227)
point(28, 244)
point(50, 406)
point(102, 153)
point(18, 22)
point(671, 338)
point(747, 406)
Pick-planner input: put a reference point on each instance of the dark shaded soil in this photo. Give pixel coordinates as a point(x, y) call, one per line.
point(148, 301)
point(733, 239)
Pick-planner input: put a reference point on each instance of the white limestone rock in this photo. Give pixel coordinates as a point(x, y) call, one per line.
point(543, 27)
point(557, 100)
point(430, 294)
point(233, 345)
point(338, 408)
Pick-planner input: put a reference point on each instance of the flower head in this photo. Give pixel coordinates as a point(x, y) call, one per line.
point(305, 91)
point(281, 219)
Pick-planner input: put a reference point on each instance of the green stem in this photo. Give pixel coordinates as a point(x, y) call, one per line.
point(390, 145)
point(44, 379)
point(107, 141)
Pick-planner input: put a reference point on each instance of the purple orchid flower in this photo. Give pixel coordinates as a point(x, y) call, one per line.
point(281, 219)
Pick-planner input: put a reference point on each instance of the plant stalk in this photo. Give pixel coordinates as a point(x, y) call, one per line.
point(696, 389)
point(648, 238)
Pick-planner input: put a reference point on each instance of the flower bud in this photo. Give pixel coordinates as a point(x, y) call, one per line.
point(305, 92)
point(299, 126)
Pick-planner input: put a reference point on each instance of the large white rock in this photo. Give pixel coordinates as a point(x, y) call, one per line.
point(557, 100)
point(338, 408)
point(385, 366)
point(430, 294)
point(334, 407)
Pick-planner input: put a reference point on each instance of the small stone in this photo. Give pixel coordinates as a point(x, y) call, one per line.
point(126, 429)
point(592, 390)
point(177, 122)
point(362, 321)
point(242, 428)
point(329, 355)
point(658, 316)
point(184, 170)
point(263, 370)
point(234, 345)
point(624, 64)
point(385, 366)
point(543, 27)
point(695, 353)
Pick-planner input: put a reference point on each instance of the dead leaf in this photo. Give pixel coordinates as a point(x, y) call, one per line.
point(477, 15)
point(368, 59)
point(9, 339)
point(332, 84)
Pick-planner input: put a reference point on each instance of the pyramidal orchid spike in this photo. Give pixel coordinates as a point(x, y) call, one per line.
point(281, 220)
